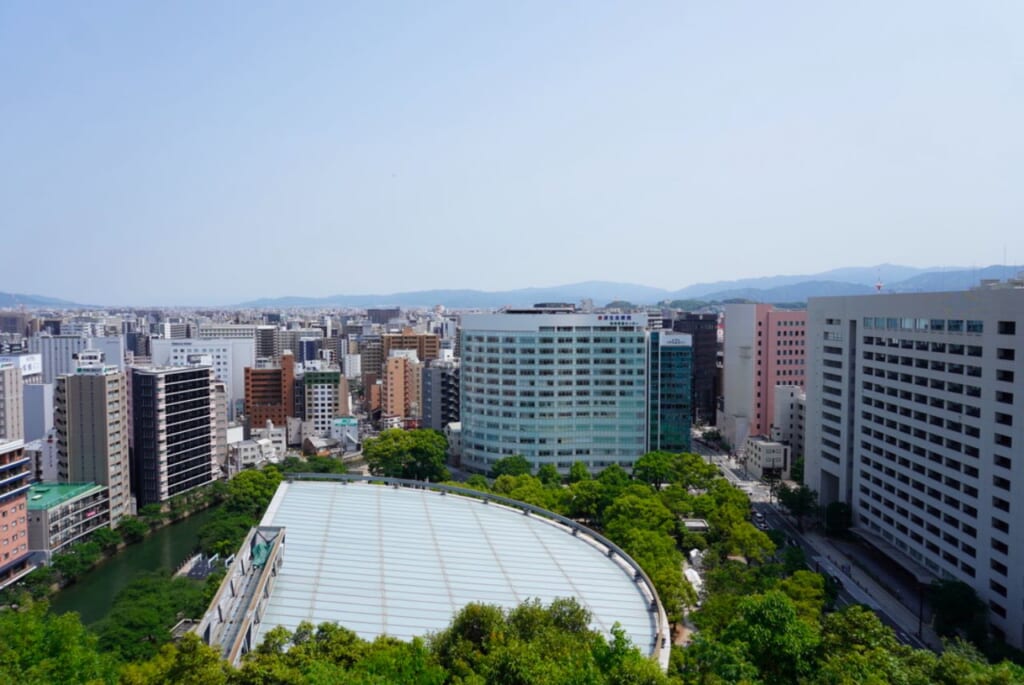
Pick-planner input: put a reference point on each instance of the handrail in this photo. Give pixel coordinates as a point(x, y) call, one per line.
point(662, 636)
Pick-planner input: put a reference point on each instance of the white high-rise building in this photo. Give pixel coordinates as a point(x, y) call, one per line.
point(59, 352)
point(229, 357)
point(916, 419)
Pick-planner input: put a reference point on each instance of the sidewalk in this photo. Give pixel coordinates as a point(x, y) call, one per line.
point(846, 568)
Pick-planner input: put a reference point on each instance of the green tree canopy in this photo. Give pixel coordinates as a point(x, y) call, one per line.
point(958, 611)
point(549, 475)
point(800, 501)
point(777, 642)
point(514, 465)
point(416, 454)
point(578, 471)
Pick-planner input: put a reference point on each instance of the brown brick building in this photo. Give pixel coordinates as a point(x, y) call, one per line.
point(269, 392)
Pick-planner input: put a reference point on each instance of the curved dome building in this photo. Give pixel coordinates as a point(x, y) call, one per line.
point(401, 559)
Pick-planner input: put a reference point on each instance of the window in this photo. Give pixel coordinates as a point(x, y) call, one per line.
point(975, 327)
point(1007, 328)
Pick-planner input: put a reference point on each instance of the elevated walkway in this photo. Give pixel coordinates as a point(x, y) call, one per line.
point(232, 621)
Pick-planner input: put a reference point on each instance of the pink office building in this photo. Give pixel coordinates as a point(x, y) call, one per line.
point(764, 347)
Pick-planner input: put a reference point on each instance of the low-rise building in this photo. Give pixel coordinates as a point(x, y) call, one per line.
point(765, 458)
point(60, 514)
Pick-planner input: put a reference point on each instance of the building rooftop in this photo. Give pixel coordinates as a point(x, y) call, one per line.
point(401, 561)
point(47, 495)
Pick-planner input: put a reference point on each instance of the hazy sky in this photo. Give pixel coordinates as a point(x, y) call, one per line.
point(177, 152)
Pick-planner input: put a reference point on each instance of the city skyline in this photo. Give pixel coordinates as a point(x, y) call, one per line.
point(183, 154)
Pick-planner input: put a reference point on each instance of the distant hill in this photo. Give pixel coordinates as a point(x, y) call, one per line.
point(599, 291)
point(11, 300)
point(771, 289)
point(961, 279)
point(798, 292)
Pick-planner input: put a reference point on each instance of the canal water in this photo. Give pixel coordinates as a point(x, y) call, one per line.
point(166, 548)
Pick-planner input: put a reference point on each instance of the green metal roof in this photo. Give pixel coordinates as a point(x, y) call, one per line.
point(47, 495)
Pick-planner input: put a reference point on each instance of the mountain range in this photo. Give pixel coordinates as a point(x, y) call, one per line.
point(12, 300)
point(771, 289)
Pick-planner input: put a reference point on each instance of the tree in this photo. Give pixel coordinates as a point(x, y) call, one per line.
point(586, 499)
point(478, 482)
point(656, 469)
point(629, 511)
point(958, 611)
point(800, 501)
point(807, 590)
point(549, 475)
point(855, 628)
point(578, 472)
point(747, 541)
point(143, 613)
point(189, 662)
point(515, 465)
point(417, 454)
point(777, 642)
point(796, 470)
point(838, 519)
point(40, 647)
point(152, 514)
point(250, 491)
point(132, 529)
point(69, 564)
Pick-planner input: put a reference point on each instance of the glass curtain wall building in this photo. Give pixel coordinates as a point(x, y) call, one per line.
point(670, 394)
point(554, 386)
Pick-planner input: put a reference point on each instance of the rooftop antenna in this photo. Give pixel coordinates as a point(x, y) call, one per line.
point(878, 283)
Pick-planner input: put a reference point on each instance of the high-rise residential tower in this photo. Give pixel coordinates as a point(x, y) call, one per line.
point(174, 420)
point(440, 394)
point(91, 418)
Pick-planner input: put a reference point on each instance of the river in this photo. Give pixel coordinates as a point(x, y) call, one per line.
point(166, 548)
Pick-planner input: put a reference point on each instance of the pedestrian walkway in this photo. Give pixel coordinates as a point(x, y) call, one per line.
point(843, 565)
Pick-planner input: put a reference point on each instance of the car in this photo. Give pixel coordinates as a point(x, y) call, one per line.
point(759, 517)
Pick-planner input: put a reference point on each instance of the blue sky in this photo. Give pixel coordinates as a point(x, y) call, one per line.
point(200, 153)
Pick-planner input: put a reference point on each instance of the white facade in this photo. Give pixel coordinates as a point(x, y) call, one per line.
point(738, 373)
point(345, 429)
point(31, 365)
point(59, 352)
point(916, 419)
point(788, 422)
point(229, 356)
point(277, 435)
point(219, 331)
point(765, 458)
point(352, 366)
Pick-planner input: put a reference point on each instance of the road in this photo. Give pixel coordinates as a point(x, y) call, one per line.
point(819, 559)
